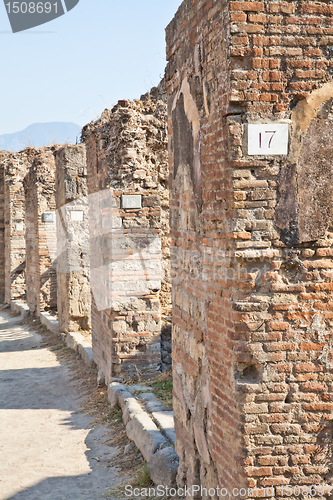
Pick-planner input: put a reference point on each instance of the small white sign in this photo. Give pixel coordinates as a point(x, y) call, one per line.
point(19, 226)
point(48, 217)
point(268, 139)
point(77, 215)
point(131, 201)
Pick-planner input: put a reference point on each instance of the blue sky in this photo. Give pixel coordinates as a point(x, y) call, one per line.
point(71, 68)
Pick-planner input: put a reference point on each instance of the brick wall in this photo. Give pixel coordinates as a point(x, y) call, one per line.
point(73, 263)
point(15, 167)
point(127, 155)
point(41, 235)
point(252, 240)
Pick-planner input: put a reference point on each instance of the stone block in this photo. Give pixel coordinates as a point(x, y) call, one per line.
point(163, 467)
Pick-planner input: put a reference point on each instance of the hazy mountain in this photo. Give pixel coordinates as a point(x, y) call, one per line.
point(41, 134)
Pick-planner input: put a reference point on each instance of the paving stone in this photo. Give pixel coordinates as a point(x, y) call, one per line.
point(138, 387)
point(147, 396)
point(154, 406)
point(165, 421)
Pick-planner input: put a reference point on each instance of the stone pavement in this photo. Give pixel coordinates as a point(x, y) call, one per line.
point(48, 450)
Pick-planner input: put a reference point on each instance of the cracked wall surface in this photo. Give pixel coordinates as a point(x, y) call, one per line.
point(252, 263)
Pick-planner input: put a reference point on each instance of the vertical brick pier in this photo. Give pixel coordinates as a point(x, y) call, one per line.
point(41, 232)
point(15, 166)
point(128, 209)
point(73, 262)
point(250, 96)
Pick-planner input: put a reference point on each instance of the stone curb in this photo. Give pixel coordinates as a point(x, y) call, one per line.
point(50, 322)
point(77, 342)
point(74, 340)
point(140, 428)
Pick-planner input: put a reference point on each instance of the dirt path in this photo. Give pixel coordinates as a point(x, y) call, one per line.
point(48, 449)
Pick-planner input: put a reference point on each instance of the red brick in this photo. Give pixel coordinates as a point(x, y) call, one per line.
point(247, 6)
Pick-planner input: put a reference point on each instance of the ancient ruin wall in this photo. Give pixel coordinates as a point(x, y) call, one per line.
point(15, 167)
point(41, 234)
point(73, 261)
point(252, 240)
point(126, 155)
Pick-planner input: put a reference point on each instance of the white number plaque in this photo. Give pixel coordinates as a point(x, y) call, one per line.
point(268, 139)
point(131, 201)
point(77, 215)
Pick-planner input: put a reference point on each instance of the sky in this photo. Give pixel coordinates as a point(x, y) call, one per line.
point(75, 66)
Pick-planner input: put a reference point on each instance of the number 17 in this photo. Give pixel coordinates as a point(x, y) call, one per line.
point(273, 132)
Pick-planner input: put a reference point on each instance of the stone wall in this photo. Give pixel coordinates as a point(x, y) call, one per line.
point(127, 156)
point(73, 263)
point(41, 232)
point(252, 238)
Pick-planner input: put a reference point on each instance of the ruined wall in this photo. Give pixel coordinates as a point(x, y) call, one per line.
point(15, 166)
point(3, 155)
point(126, 155)
point(73, 262)
point(41, 232)
point(252, 238)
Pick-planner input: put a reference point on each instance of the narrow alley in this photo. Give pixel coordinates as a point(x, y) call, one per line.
point(48, 449)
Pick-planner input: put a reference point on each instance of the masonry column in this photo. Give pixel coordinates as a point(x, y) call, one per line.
point(41, 232)
point(128, 205)
point(73, 266)
point(250, 98)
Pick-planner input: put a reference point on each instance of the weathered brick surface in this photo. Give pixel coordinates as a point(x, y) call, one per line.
point(73, 262)
point(127, 155)
point(41, 235)
point(252, 244)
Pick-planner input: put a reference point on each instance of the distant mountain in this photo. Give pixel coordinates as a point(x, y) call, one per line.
point(41, 134)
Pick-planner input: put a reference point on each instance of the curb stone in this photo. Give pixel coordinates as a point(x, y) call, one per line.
point(163, 467)
point(140, 428)
point(77, 342)
point(20, 307)
point(50, 322)
point(145, 434)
